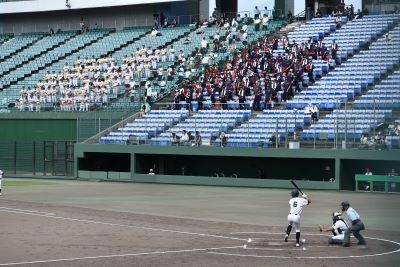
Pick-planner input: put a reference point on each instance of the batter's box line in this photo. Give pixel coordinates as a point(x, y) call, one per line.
point(268, 233)
point(266, 239)
point(271, 249)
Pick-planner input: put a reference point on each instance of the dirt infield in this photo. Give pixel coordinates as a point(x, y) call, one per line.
point(61, 232)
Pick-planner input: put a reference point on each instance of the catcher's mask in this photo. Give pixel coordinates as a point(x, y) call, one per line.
point(336, 216)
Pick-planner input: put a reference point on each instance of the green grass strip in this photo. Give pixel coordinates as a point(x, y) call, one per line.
point(18, 182)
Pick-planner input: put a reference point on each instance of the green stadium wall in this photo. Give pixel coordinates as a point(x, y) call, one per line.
point(50, 126)
point(34, 144)
point(29, 130)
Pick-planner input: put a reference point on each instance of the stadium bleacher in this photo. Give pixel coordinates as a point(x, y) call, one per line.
point(146, 127)
point(325, 93)
point(370, 92)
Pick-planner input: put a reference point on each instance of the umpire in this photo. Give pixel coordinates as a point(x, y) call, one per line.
point(356, 225)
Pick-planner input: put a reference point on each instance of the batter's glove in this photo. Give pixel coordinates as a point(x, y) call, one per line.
point(304, 195)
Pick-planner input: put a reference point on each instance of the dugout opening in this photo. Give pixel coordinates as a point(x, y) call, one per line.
point(312, 169)
point(107, 162)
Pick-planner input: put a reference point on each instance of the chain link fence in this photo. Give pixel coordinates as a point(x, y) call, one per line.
point(37, 158)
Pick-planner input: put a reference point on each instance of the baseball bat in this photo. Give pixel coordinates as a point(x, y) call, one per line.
point(295, 185)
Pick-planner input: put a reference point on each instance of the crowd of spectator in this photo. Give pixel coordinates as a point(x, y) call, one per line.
point(257, 73)
point(74, 88)
point(186, 138)
point(255, 77)
point(343, 11)
point(90, 81)
point(376, 141)
point(394, 129)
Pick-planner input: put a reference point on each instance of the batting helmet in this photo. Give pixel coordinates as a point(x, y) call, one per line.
point(295, 193)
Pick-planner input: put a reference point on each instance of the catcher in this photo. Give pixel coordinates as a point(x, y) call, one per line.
point(338, 228)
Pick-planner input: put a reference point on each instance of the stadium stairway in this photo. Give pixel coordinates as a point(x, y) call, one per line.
point(289, 28)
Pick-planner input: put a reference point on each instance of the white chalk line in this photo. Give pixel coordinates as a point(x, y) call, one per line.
point(31, 211)
point(268, 233)
point(304, 257)
point(307, 257)
point(198, 234)
point(272, 249)
point(47, 215)
point(258, 247)
point(123, 225)
point(261, 239)
point(117, 255)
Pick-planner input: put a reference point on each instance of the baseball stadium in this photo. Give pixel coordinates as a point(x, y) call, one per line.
point(176, 133)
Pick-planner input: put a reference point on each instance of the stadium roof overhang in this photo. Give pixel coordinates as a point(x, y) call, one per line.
point(57, 5)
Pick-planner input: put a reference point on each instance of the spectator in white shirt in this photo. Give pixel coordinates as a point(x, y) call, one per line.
point(184, 140)
point(154, 32)
point(368, 172)
point(204, 44)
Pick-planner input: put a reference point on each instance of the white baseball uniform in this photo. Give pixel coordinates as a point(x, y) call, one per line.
point(339, 227)
point(296, 205)
point(1, 179)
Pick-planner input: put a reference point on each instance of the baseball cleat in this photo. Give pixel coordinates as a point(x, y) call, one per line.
point(286, 237)
point(297, 245)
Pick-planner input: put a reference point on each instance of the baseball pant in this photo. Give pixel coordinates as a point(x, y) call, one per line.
point(336, 240)
point(294, 220)
point(355, 229)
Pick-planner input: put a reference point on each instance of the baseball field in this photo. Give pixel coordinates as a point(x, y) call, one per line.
point(79, 223)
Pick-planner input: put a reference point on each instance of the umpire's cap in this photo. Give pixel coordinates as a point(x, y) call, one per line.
point(345, 204)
